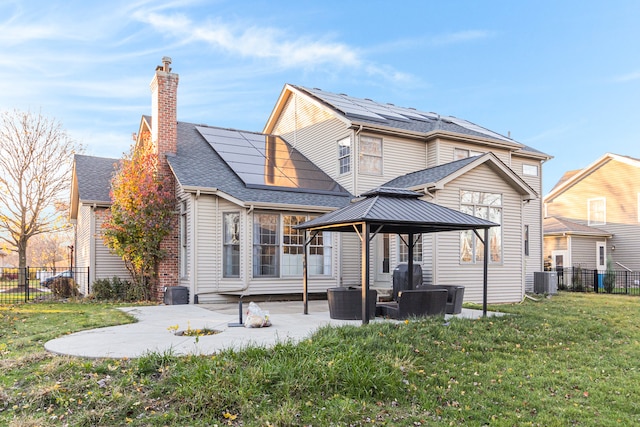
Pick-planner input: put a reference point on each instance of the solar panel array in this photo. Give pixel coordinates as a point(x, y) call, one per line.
point(375, 111)
point(267, 161)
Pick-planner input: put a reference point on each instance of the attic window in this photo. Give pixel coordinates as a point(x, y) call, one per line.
point(530, 170)
point(461, 153)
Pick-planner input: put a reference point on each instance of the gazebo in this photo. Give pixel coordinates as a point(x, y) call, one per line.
point(395, 211)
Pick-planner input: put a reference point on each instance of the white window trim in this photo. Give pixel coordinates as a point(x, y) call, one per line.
point(340, 156)
point(604, 209)
point(470, 153)
point(474, 247)
point(328, 241)
point(361, 154)
point(525, 173)
point(638, 207)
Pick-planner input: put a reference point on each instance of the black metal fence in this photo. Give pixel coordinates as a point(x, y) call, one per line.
point(578, 279)
point(35, 283)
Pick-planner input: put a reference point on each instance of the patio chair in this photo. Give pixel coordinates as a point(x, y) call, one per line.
point(345, 303)
point(415, 303)
point(455, 295)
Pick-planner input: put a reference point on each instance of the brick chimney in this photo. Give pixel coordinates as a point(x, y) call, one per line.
point(164, 136)
point(164, 115)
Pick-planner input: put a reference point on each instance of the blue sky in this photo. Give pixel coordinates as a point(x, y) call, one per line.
point(563, 77)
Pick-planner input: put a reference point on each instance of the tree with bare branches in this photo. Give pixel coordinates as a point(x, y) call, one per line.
point(35, 160)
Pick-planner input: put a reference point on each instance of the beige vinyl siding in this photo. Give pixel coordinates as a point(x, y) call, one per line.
point(315, 133)
point(400, 156)
point(83, 243)
point(506, 279)
point(208, 252)
point(83, 237)
point(107, 265)
point(447, 147)
point(350, 261)
point(428, 258)
point(433, 153)
point(532, 216)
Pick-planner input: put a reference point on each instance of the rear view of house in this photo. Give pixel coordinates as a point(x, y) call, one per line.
point(240, 195)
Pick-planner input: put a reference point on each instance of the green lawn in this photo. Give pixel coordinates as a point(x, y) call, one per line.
point(569, 360)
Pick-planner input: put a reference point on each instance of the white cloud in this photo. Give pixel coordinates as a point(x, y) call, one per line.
point(255, 42)
point(628, 77)
point(267, 43)
point(554, 133)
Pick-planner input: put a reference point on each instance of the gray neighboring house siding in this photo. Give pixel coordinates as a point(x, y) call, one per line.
point(89, 202)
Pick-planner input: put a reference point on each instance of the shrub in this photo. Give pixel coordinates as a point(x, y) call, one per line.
point(609, 278)
point(64, 287)
point(116, 289)
point(576, 279)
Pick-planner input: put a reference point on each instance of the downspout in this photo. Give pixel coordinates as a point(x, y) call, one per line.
point(246, 276)
point(356, 143)
point(93, 246)
point(194, 245)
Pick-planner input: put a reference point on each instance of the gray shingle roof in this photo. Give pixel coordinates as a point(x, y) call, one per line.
point(94, 177)
point(197, 165)
point(557, 225)
point(397, 211)
point(429, 175)
point(402, 118)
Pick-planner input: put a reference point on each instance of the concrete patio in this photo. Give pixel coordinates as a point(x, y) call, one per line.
point(154, 330)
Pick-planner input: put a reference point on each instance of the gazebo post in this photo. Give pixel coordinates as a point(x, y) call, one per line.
point(305, 285)
point(410, 260)
point(484, 273)
point(365, 273)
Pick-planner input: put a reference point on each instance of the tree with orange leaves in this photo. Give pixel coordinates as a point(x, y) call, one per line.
point(140, 215)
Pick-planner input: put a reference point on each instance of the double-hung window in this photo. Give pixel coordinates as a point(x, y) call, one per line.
point(344, 155)
point(292, 245)
point(266, 245)
point(370, 155)
point(231, 245)
point(486, 206)
point(403, 249)
point(597, 208)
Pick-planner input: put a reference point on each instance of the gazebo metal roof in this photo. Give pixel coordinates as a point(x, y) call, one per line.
point(396, 211)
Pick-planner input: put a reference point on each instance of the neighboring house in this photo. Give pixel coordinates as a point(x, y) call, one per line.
point(239, 194)
point(90, 201)
point(593, 215)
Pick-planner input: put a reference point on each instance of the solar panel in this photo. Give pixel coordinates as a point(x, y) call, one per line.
point(473, 127)
point(267, 161)
point(412, 114)
point(378, 108)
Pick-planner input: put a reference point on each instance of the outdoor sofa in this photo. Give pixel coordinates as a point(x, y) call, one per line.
point(345, 303)
point(455, 295)
point(415, 303)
